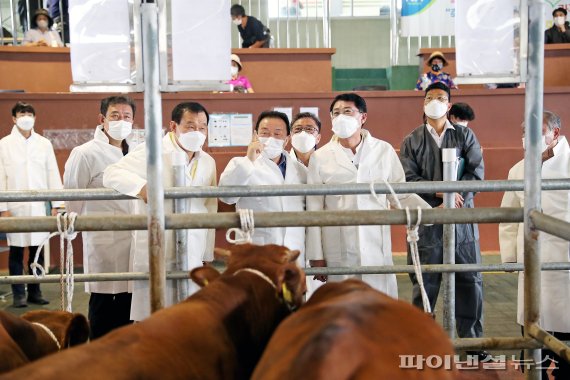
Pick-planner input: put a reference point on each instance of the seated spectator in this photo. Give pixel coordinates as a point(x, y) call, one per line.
point(461, 113)
point(240, 82)
point(560, 31)
point(436, 63)
point(41, 34)
point(253, 33)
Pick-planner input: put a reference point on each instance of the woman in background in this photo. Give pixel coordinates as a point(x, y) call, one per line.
point(240, 82)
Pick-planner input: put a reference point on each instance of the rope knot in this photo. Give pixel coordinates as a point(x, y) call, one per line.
point(244, 234)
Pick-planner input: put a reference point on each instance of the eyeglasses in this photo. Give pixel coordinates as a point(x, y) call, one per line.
point(345, 111)
point(442, 99)
point(116, 116)
point(307, 128)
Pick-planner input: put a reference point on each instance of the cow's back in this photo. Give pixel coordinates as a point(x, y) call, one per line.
point(359, 334)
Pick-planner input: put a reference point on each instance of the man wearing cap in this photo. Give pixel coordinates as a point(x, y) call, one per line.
point(41, 34)
point(436, 63)
point(240, 83)
point(559, 33)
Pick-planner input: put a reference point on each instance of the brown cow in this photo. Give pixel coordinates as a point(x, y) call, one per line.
point(218, 333)
point(347, 330)
point(38, 333)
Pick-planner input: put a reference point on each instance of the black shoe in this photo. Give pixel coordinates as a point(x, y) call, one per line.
point(19, 301)
point(37, 299)
point(483, 356)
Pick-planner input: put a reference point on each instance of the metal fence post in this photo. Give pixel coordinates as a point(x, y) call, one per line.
point(449, 158)
point(181, 236)
point(153, 123)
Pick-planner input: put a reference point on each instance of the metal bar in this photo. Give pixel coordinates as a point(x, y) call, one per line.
point(282, 190)
point(278, 23)
point(269, 219)
point(297, 34)
point(287, 23)
point(550, 225)
point(394, 43)
point(449, 158)
point(495, 343)
point(1, 25)
point(317, 38)
point(13, 22)
point(153, 122)
point(550, 341)
point(61, 20)
point(28, 15)
point(181, 236)
point(385, 269)
point(532, 175)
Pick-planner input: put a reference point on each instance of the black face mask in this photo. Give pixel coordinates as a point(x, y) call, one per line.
point(435, 67)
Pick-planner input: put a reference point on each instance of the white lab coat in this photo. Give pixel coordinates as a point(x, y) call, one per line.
point(103, 251)
point(128, 176)
point(28, 164)
point(242, 172)
point(351, 246)
point(555, 285)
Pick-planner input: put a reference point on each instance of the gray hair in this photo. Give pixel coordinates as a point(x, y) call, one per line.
point(551, 120)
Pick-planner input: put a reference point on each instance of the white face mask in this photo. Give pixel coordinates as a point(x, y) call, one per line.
point(234, 71)
point(192, 141)
point(543, 143)
point(272, 147)
point(303, 142)
point(119, 129)
point(435, 109)
point(43, 24)
point(25, 123)
point(344, 126)
point(559, 21)
point(237, 21)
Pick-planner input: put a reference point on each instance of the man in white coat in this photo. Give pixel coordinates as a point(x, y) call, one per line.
point(104, 251)
point(555, 285)
point(27, 162)
point(266, 163)
point(188, 131)
point(354, 156)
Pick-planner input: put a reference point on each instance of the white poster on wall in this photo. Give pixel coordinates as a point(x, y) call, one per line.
point(417, 18)
point(201, 40)
point(485, 41)
point(100, 33)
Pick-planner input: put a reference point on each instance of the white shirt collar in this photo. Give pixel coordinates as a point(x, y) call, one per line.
point(439, 138)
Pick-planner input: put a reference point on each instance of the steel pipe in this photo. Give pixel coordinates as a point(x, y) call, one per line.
point(496, 343)
point(282, 190)
point(180, 236)
point(449, 158)
point(385, 269)
point(269, 219)
point(154, 186)
point(550, 225)
point(557, 346)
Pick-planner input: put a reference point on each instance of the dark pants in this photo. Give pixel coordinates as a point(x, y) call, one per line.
point(16, 268)
point(108, 312)
point(562, 370)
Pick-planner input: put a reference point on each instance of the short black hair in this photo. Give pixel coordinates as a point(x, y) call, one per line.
point(191, 107)
point(23, 107)
point(462, 111)
point(560, 9)
point(358, 101)
point(310, 115)
point(273, 115)
point(237, 10)
point(114, 100)
point(439, 86)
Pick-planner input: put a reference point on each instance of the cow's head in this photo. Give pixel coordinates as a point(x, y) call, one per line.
point(274, 261)
point(70, 329)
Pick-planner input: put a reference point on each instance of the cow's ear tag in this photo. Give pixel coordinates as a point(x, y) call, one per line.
point(287, 295)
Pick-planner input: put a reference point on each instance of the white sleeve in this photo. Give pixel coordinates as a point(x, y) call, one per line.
point(412, 201)
point(128, 175)
point(314, 249)
point(53, 176)
point(77, 175)
point(237, 173)
point(508, 232)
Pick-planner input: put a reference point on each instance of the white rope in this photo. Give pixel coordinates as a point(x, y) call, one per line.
point(49, 332)
point(245, 233)
point(66, 232)
point(412, 238)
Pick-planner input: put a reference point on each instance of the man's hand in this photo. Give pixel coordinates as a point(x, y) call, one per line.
point(459, 200)
point(54, 211)
point(319, 264)
point(41, 42)
point(142, 194)
point(5, 214)
point(254, 148)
